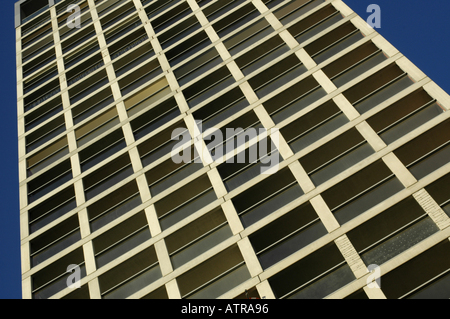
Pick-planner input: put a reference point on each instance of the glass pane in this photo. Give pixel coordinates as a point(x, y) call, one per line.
point(384, 94)
point(224, 284)
point(348, 41)
point(179, 214)
point(123, 247)
point(135, 284)
point(368, 200)
point(292, 244)
point(327, 284)
point(410, 123)
point(400, 242)
point(318, 132)
point(269, 206)
point(201, 246)
point(341, 164)
point(359, 69)
point(431, 163)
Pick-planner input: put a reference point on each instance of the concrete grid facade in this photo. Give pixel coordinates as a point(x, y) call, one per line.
point(363, 147)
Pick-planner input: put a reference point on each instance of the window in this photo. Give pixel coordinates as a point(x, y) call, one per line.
point(144, 74)
point(336, 156)
point(264, 53)
point(427, 152)
point(81, 53)
point(39, 79)
point(294, 99)
point(393, 231)
point(132, 275)
point(221, 108)
point(45, 133)
point(53, 278)
point(423, 277)
point(314, 276)
point(158, 7)
point(51, 209)
point(36, 41)
point(113, 205)
point(354, 63)
point(440, 192)
point(333, 42)
point(85, 19)
point(111, 173)
point(287, 234)
point(160, 144)
point(197, 66)
point(248, 36)
point(75, 40)
point(49, 180)
point(267, 196)
point(197, 237)
point(120, 29)
point(295, 9)
point(92, 105)
point(377, 88)
point(39, 62)
point(248, 164)
point(184, 201)
point(43, 93)
point(114, 17)
point(361, 191)
point(168, 173)
point(313, 126)
point(97, 126)
point(314, 23)
point(101, 150)
point(121, 239)
point(30, 10)
point(405, 115)
point(54, 240)
point(219, 9)
point(208, 86)
point(43, 113)
point(188, 48)
point(170, 17)
point(88, 86)
point(235, 20)
point(232, 135)
point(215, 276)
point(84, 69)
point(47, 156)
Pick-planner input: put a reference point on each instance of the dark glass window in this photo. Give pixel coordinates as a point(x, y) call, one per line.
point(287, 234)
point(314, 276)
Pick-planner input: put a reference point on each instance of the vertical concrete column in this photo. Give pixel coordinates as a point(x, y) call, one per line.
point(346, 107)
point(94, 289)
point(264, 290)
point(173, 291)
point(400, 171)
point(325, 214)
point(163, 257)
point(250, 258)
point(371, 136)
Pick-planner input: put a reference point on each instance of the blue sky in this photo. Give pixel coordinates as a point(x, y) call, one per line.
point(417, 28)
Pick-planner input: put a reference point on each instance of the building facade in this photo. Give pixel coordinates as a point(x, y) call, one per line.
point(356, 207)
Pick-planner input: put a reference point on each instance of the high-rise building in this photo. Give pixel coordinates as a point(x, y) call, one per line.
point(124, 187)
